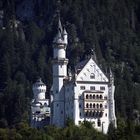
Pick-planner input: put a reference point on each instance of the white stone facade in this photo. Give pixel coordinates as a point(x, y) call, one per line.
point(86, 95)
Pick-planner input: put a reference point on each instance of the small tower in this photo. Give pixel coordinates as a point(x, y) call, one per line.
point(112, 116)
point(59, 74)
point(39, 90)
point(40, 109)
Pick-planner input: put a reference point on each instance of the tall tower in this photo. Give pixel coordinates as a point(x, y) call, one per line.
point(112, 116)
point(59, 74)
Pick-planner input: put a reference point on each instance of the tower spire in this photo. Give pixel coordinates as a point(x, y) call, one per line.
point(59, 24)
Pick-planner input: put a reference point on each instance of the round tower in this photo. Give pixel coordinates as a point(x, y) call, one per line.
point(39, 90)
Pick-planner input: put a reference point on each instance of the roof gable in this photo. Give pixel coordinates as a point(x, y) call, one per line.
point(91, 72)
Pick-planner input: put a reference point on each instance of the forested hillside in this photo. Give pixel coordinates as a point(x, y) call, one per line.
point(27, 28)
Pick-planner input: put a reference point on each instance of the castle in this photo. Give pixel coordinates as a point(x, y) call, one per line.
point(86, 95)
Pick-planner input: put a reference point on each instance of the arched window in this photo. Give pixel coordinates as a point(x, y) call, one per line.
point(90, 96)
point(90, 105)
point(87, 105)
point(101, 105)
point(92, 76)
point(93, 96)
point(93, 105)
point(97, 96)
point(101, 96)
point(97, 105)
point(87, 96)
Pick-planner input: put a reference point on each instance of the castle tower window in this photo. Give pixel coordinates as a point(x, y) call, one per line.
point(92, 76)
point(87, 96)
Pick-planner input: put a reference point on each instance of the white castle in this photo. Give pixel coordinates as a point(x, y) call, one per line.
point(86, 95)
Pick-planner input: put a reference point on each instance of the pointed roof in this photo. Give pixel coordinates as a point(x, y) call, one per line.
point(39, 82)
point(65, 32)
point(89, 66)
point(60, 26)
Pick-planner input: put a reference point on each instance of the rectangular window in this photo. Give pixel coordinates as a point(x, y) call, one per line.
point(82, 87)
point(92, 88)
point(102, 88)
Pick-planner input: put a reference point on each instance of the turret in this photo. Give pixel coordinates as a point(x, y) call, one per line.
point(40, 109)
point(65, 36)
point(62, 35)
point(112, 116)
point(39, 90)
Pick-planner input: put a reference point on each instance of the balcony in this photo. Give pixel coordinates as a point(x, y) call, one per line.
point(93, 109)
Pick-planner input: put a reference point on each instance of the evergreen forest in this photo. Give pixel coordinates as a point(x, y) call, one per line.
point(111, 28)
